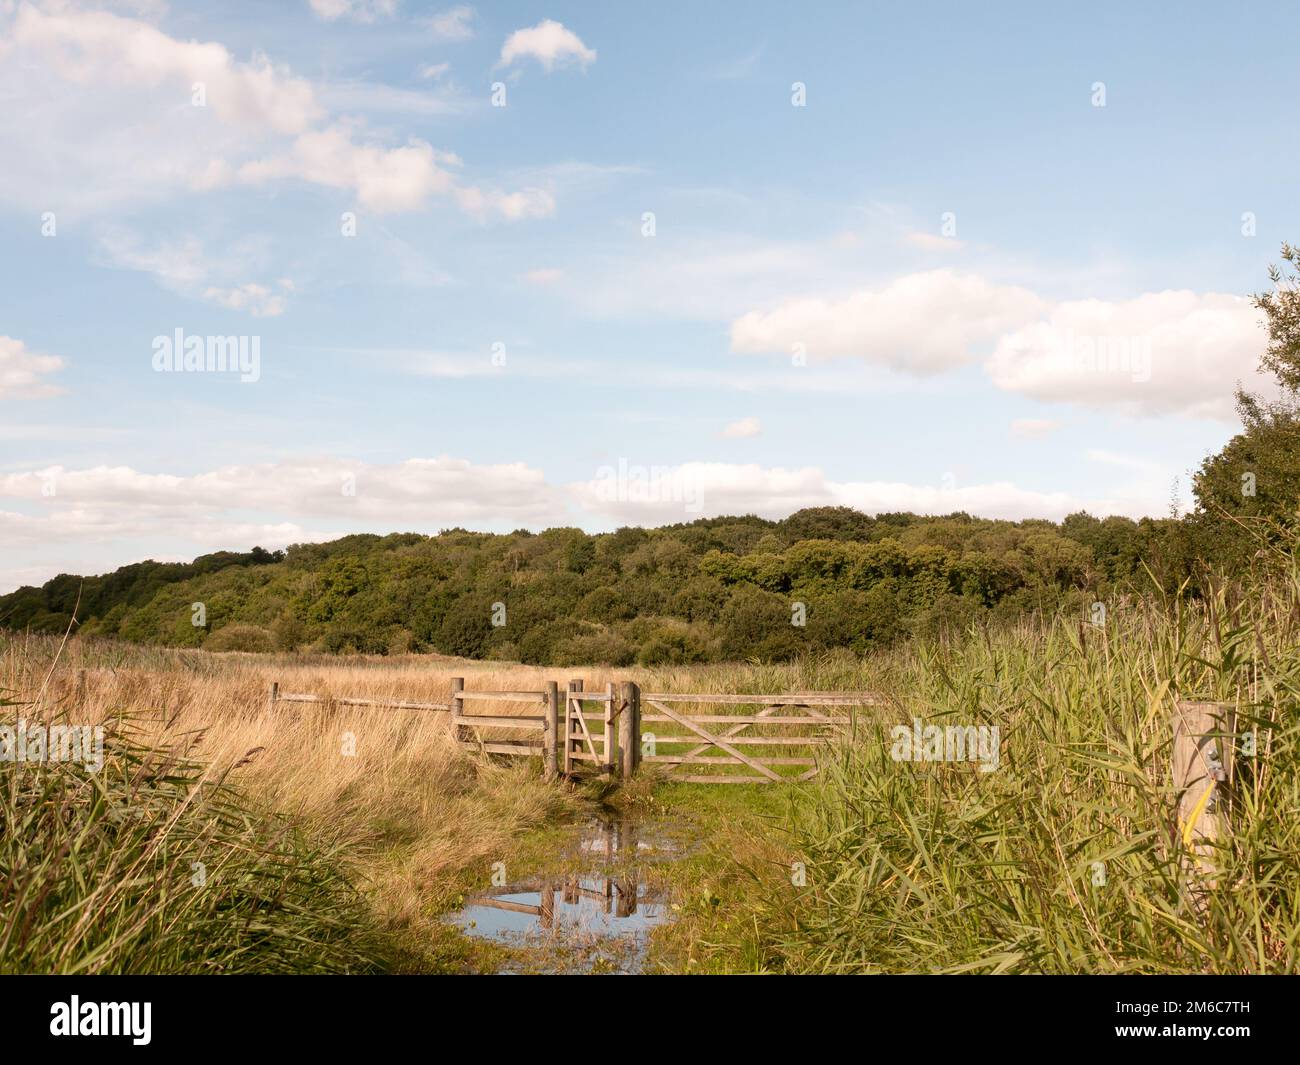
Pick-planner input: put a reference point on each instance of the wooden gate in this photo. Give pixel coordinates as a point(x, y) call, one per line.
point(797, 724)
point(580, 742)
point(468, 729)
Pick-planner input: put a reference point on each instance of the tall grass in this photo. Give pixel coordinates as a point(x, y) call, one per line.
point(331, 837)
point(141, 865)
point(1067, 858)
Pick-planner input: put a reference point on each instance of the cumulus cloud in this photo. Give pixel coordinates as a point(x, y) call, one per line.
point(745, 427)
point(444, 490)
point(356, 10)
point(1033, 428)
point(1160, 353)
point(23, 372)
point(550, 43)
point(664, 494)
point(257, 300)
point(922, 323)
point(454, 24)
point(167, 115)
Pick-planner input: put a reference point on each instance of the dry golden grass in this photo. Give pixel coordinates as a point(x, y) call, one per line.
point(422, 818)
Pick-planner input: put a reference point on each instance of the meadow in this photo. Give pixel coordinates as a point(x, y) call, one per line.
point(1066, 858)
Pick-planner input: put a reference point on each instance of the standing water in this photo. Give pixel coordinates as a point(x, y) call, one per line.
point(594, 915)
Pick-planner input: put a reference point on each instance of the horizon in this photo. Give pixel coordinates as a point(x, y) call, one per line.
point(561, 266)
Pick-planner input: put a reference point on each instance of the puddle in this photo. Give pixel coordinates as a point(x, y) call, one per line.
point(596, 916)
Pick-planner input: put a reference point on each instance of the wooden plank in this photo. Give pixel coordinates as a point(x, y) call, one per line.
point(629, 728)
point(737, 719)
point(611, 732)
point(457, 686)
point(592, 697)
point(721, 779)
point(551, 739)
point(484, 721)
point(507, 697)
point(754, 741)
point(288, 697)
point(719, 742)
point(766, 700)
point(531, 750)
point(704, 759)
point(582, 725)
point(1198, 769)
point(570, 729)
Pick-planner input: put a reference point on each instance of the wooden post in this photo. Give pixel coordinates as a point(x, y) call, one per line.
point(611, 732)
point(629, 728)
point(551, 737)
point(81, 688)
point(457, 706)
point(574, 686)
point(273, 695)
point(1198, 769)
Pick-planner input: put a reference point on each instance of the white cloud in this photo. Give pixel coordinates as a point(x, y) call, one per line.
point(112, 101)
point(550, 43)
point(96, 48)
point(434, 71)
point(547, 275)
point(745, 427)
point(932, 241)
point(22, 372)
point(454, 24)
point(1162, 353)
point(356, 10)
point(257, 300)
point(921, 323)
point(658, 495)
point(444, 489)
point(1033, 428)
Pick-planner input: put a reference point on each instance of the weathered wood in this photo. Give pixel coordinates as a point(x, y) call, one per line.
point(592, 697)
point(1198, 770)
point(552, 738)
point(721, 779)
point(611, 731)
point(824, 699)
point(457, 707)
point(504, 747)
point(629, 728)
point(751, 741)
point(704, 759)
point(737, 719)
point(528, 721)
point(507, 697)
point(81, 688)
point(569, 726)
point(295, 697)
point(272, 695)
point(720, 743)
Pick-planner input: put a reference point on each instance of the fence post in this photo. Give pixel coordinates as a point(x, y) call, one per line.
point(574, 686)
point(456, 703)
point(1198, 767)
point(551, 737)
point(81, 688)
point(611, 732)
point(273, 695)
point(629, 728)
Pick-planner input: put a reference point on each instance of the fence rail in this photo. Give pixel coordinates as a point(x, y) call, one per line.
point(604, 730)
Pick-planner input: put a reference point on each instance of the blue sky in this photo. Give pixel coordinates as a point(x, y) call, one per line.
point(996, 261)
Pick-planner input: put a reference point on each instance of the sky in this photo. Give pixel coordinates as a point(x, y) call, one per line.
point(277, 273)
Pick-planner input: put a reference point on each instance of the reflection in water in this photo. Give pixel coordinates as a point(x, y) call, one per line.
point(611, 906)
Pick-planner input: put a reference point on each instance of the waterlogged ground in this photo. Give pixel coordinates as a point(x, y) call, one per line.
point(593, 906)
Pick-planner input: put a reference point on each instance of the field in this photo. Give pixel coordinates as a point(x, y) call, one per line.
point(336, 839)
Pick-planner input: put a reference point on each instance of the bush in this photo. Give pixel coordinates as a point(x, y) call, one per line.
point(240, 637)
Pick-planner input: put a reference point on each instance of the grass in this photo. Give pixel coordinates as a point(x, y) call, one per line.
point(340, 835)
